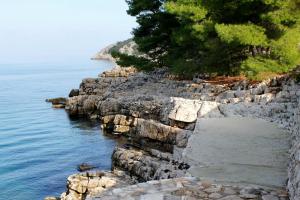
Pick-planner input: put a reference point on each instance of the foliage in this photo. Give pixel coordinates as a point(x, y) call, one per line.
point(217, 36)
point(248, 34)
point(132, 60)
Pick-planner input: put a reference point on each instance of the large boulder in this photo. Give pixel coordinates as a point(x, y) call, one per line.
point(209, 109)
point(119, 72)
point(184, 110)
point(79, 186)
point(157, 131)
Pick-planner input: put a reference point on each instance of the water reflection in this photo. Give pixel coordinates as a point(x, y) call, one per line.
point(84, 124)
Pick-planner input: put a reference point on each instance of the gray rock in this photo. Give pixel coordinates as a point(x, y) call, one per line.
point(269, 197)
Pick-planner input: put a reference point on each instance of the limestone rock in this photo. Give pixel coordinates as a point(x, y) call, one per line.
point(184, 110)
point(209, 109)
point(92, 183)
point(108, 119)
point(119, 72)
point(123, 120)
point(146, 167)
point(121, 129)
point(157, 131)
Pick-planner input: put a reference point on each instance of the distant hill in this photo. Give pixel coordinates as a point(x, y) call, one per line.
point(128, 47)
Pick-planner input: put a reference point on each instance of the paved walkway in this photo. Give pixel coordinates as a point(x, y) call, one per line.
point(238, 150)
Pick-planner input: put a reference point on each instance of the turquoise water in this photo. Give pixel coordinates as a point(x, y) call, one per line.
point(41, 146)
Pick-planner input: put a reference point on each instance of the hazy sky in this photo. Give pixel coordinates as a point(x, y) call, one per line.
point(58, 30)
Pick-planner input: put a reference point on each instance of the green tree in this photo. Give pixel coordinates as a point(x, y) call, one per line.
point(154, 30)
point(251, 37)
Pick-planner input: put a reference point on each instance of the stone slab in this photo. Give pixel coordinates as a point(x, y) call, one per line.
point(244, 150)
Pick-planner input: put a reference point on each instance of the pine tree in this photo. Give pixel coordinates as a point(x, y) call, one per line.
point(251, 37)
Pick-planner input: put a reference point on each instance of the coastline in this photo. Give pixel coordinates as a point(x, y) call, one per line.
point(158, 115)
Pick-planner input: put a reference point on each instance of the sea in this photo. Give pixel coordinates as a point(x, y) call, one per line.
point(41, 146)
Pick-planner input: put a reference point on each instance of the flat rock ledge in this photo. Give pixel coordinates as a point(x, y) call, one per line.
point(190, 189)
point(158, 114)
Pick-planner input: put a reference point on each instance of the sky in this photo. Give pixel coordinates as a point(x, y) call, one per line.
point(59, 30)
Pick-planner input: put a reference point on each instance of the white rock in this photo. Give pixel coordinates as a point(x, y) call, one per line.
point(184, 110)
point(209, 109)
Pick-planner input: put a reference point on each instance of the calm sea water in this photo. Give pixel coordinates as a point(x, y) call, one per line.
point(41, 146)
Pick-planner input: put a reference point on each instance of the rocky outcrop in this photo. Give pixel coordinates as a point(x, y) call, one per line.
point(119, 72)
point(157, 115)
point(80, 186)
point(148, 166)
point(57, 102)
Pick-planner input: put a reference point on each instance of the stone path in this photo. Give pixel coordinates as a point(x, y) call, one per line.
point(238, 150)
point(190, 189)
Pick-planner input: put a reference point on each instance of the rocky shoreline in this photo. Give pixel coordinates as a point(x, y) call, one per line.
point(157, 115)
